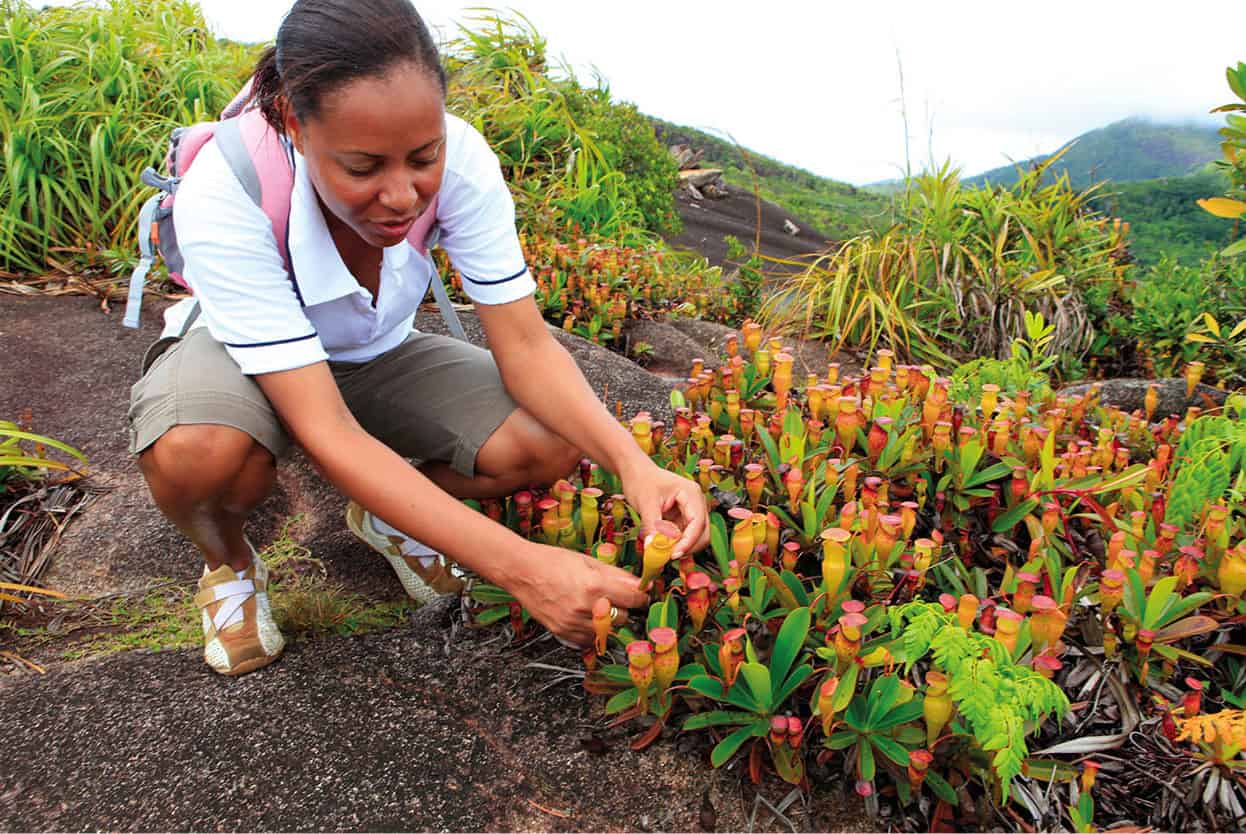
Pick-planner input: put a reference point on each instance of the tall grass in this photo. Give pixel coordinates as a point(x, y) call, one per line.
point(574, 157)
point(88, 97)
point(955, 277)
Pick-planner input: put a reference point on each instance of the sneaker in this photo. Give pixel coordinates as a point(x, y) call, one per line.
point(423, 583)
point(239, 634)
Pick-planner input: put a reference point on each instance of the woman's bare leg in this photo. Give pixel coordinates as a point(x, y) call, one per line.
point(206, 479)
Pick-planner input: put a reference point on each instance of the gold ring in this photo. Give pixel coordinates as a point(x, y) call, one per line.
point(614, 613)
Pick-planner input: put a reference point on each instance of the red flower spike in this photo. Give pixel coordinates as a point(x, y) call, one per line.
point(778, 730)
point(1193, 700)
point(698, 587)
point(731, 654)
point(640, 668)
point(795, 732)
point(1090, 769)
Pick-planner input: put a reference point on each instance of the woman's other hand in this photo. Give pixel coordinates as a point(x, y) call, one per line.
point(561, 586)
point(659, 494)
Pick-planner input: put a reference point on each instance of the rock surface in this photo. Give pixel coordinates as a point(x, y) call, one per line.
point(1130, 395)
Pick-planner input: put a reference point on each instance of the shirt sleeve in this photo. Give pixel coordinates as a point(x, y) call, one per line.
point(477, 218)
point(248, 300)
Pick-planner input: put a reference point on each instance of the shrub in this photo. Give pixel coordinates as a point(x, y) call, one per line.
point(1167, 307)
point(956, 276)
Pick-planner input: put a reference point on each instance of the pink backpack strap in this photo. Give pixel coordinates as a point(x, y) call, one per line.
point(424, 234)
point(424, 228)
point(264, 165)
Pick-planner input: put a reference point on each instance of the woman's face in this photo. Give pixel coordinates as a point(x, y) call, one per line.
point(376, 151)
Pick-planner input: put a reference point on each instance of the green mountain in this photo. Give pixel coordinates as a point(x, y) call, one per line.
point(1131, 149)
point(1164, 216)
point(837, 209)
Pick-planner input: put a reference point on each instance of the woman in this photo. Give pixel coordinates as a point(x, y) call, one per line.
point(324, 354)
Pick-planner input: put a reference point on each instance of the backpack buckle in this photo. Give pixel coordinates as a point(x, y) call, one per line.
point(166, 184)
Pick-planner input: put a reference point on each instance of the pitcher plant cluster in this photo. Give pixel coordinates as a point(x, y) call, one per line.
point(592, 287)
point(901, 578)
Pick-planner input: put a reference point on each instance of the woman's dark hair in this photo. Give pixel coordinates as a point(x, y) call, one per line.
point(323, 44)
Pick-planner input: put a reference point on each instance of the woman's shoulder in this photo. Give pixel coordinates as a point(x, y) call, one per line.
point(468, 155)
point(211, 202)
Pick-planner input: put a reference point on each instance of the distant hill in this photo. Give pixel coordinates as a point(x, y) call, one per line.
point(837, 209)
point(1126, 151)
point(1164, 216)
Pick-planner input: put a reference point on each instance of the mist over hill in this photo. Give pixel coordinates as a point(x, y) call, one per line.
point(1132, 149)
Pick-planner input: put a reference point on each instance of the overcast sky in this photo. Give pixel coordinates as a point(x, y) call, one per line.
point(816, 84)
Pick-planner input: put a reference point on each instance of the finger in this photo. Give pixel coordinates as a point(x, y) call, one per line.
point(626, 592)
point(650, 514)
point(694, 525)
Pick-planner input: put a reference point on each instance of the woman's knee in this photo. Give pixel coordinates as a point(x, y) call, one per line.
point(203, 459)
point(526, 453)
point(556, 460)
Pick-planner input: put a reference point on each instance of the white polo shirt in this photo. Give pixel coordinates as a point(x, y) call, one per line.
point(270, 321)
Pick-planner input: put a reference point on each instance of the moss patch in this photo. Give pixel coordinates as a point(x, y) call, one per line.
point(304, 604)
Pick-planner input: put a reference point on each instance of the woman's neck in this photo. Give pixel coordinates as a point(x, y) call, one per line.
point(362, 259)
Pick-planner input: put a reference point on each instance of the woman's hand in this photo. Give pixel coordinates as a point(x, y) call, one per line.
point(658, 494)
point(560, 587)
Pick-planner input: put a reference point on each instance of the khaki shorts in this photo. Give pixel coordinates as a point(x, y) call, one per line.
point(432, 398)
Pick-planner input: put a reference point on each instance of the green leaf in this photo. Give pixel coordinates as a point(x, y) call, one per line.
point(622, 700)
point(786, 598)
point(46, 441)
point(881, 696)
point(757, 677)
point(707, 686)
point(1181, 607)
point(795, 586)
point(788, 643)
point(841, 739)
point(689, 671)
point(718, 718)
point(727, 748)
point(793, 682)
point(941, 788)
point(1234, 249)
point(492, 615)
point(970, 454)
point(1006, 521)
point(772, 452)
point(891, 749)
point(846, 688)
point(677, 399)
point(900, 715)
point(865, 760)
point(1047, 458)
point(809, 515)
point(991, 473)
point(719, 543)
point(1157, 603)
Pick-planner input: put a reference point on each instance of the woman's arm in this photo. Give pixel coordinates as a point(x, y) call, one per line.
point(543, 378)
point(557, 586)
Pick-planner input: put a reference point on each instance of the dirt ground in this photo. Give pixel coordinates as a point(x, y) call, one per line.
point(418, 728)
